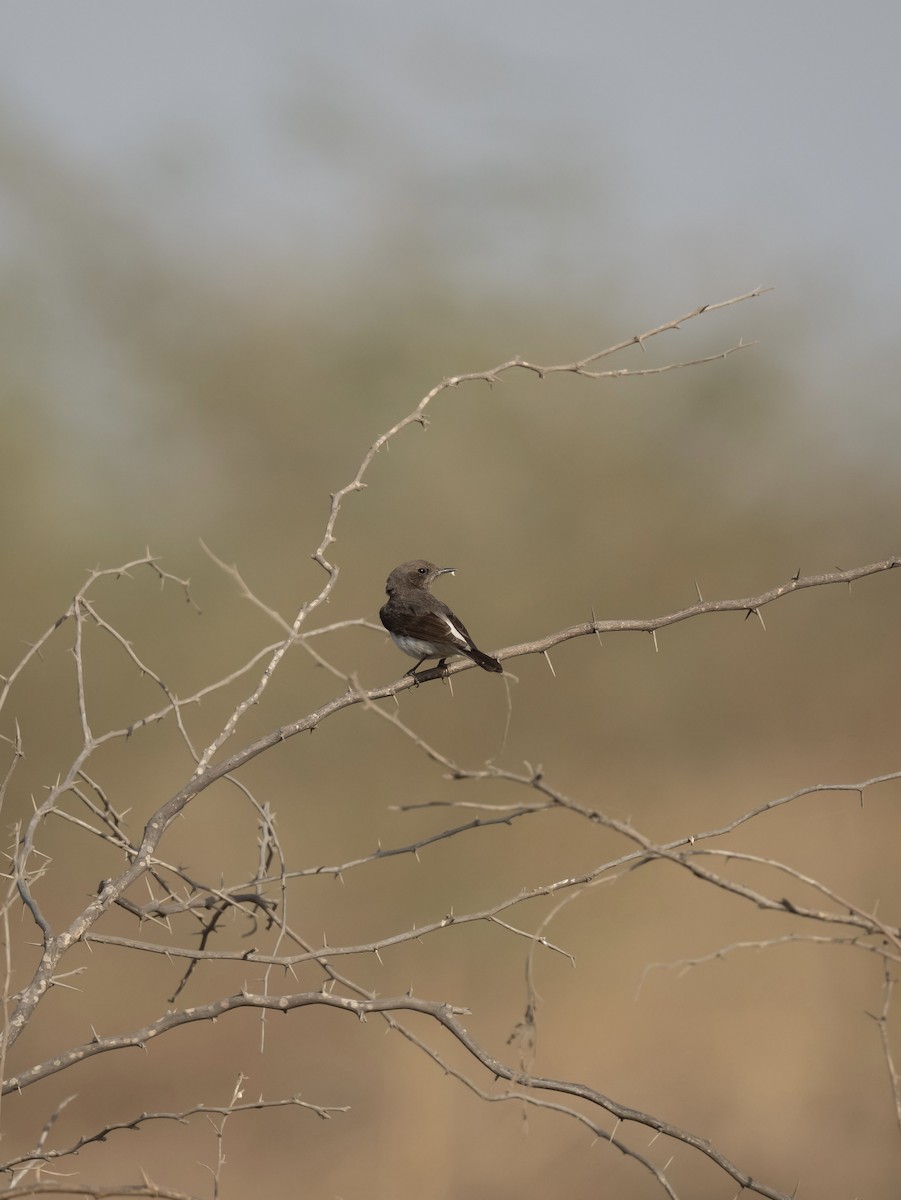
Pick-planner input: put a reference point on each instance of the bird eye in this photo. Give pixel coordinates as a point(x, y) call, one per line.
point(423, 570)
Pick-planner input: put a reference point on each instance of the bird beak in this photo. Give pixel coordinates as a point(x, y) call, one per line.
point(447, 570)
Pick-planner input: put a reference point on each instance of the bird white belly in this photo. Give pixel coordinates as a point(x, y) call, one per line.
point(414, 647)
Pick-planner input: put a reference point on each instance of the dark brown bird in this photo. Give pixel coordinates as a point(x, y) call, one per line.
point(422, 625)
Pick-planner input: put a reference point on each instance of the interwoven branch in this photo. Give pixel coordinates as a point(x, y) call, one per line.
point(56, 946)
point(182, 915)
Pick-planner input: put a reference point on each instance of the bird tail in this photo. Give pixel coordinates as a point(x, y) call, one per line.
point(485, 661)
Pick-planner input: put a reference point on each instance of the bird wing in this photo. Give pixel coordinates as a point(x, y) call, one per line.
point(436, 624)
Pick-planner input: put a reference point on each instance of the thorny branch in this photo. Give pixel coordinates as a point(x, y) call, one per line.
point(56, 946)
point(206, 772)
point(175, 893)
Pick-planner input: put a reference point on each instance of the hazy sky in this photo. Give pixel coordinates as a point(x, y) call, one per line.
point(691, 150)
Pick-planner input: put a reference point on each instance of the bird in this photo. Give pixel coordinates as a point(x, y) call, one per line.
point(422, 625)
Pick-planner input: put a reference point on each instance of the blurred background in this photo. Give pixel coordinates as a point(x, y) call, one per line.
point(237, 242)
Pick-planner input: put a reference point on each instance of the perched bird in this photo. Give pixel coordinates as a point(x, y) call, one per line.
point(422, 625)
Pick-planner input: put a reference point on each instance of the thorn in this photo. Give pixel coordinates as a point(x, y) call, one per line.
point(549, 663)
point(698, 590)
point(654, 636)
point(760, 619)
point(594, 622)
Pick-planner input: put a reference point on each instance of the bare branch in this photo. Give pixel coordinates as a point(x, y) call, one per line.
point(48, 1187)
point(211, 1012)
point(39, 1154)
point(882, 1021)
point(356, 484)
point(620, 1111)
point(181, 913)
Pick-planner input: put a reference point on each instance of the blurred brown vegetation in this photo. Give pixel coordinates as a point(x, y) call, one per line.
point(147, 401)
